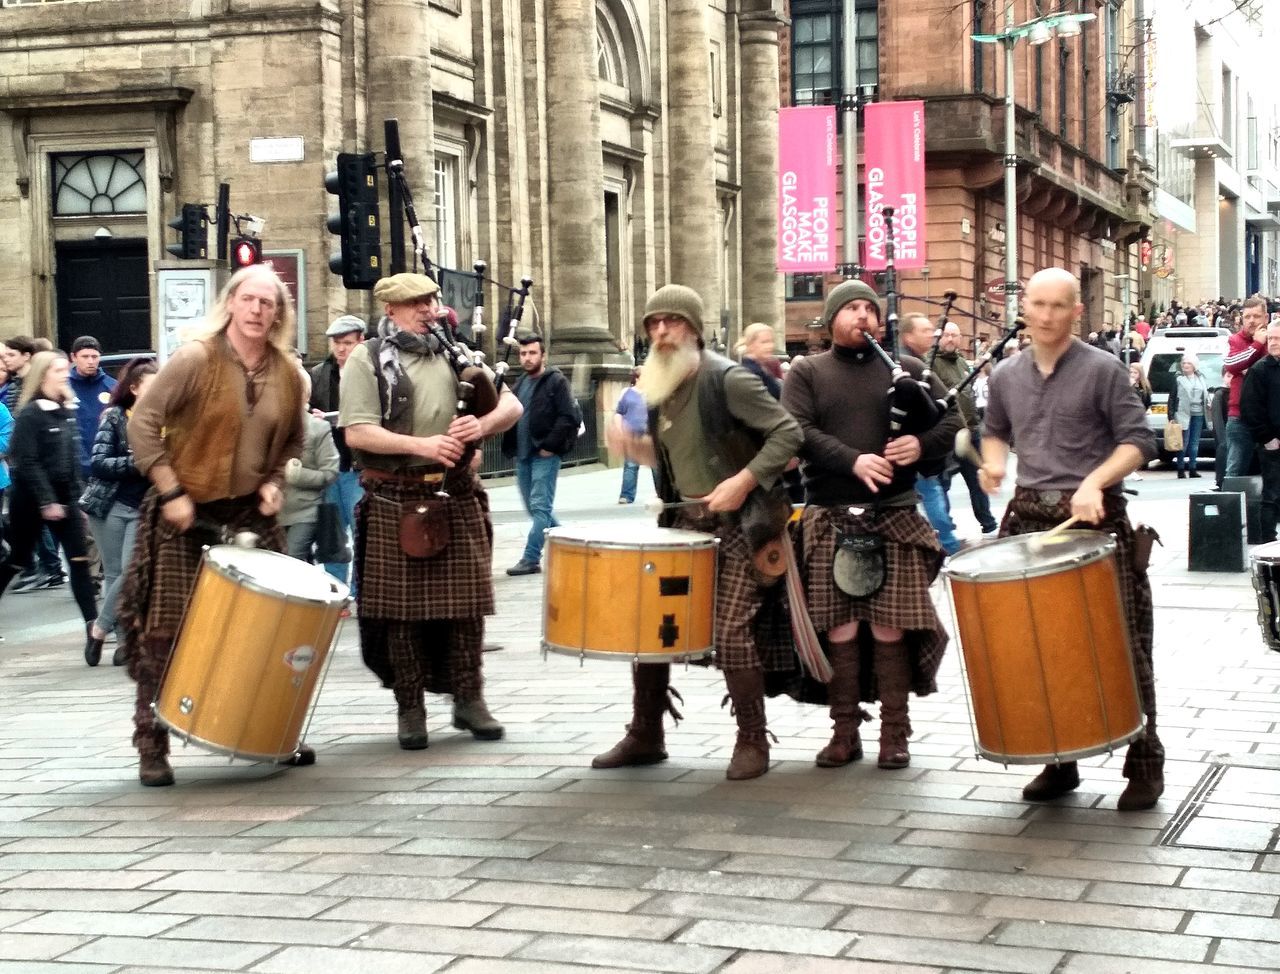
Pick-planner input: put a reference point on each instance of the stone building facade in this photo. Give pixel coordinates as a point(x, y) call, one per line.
point(601, 147)
point(1084, 186)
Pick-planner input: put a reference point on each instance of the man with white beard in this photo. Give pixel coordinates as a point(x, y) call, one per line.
point(718, 438)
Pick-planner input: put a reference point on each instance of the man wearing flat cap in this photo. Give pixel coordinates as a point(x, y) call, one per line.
point(346, 332)
point(869, 555)
point(718, 439)
point(424, 541)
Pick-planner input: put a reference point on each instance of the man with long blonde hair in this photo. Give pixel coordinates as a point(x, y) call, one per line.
point(213, 435)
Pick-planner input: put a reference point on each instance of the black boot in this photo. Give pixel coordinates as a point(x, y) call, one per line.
point(650, 702)
point(92, 646)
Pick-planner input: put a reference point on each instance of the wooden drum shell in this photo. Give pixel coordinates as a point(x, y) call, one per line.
point(1046, 656)
point(635, 594)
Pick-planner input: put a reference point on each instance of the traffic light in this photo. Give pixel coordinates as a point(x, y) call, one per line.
point(193, 225)
point(355, 183)
point(244, 252)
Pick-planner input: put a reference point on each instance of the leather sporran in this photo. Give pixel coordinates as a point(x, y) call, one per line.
point(424, 527)
point(859, 564)
point(1145, 538)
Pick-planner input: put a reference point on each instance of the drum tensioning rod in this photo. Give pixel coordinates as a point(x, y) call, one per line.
point(324, 675)
point(1093, 645)
point(1044, 680)
point(964, 668)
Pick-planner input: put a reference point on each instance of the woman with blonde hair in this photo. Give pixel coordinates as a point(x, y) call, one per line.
point(45, 454)
point(1188, 403)
point(756, 352)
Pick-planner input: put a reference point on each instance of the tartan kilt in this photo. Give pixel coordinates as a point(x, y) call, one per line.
point(455, 584)
point(1034, 510)
point(913, 558)
point(165, 565)
point(751, 628)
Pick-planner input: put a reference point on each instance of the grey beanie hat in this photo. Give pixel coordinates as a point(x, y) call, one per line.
point(676, 299)
point(847, 291)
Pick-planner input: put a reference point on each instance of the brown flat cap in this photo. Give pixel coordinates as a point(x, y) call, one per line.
point(403, 288)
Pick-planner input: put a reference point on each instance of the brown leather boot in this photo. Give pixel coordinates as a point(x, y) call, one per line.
point(893, 672)
point(846, 714)
point(153, 768)
point(650, 702)
point(412, 729)
point(751, 750)
point(474, 716)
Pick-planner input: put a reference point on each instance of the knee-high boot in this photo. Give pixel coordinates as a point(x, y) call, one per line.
point(650, 702)
point(846, 713)
point(751, 750)
point(893, 672)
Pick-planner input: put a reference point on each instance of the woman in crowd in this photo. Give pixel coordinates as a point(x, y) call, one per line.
point(1140, 385)
point(1188, 404)
point(45, 453)
point(306, 479)
point(112, 499)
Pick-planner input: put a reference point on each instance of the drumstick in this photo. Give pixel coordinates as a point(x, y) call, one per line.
point(1037, 542)
point(656, 505)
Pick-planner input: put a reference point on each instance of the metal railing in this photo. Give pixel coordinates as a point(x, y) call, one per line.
point(585, 451)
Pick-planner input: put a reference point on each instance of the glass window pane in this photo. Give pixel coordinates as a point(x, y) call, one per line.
point(822, 28)
point(804, 61)
point(99, 183)
point(804, 30)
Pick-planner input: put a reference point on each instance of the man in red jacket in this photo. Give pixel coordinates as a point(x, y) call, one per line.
point(1243, 349)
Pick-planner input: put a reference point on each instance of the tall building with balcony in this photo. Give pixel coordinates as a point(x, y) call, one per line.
point(1215, 133)
point(1084, 182)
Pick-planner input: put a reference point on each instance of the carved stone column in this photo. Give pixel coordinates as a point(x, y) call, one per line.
point(575, 183)
point(399, 39)
point(758, 206)
point(691, 134)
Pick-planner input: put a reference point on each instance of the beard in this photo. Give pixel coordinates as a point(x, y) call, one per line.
point(665, 370)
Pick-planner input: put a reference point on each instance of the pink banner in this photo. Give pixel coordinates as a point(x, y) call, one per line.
point(893, 159)
point(806, 189)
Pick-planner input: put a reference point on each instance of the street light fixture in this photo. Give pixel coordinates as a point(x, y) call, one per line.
point(1037, 31)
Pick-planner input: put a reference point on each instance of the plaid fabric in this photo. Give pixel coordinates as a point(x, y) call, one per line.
point(912, 560)
point(165, 564)
point(746, 638)
point(1034, 510)
point(157, 589)
point(455, 584)
point(435, 657)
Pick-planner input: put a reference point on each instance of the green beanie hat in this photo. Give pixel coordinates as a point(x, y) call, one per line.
point(847, 291)
point(676, 299)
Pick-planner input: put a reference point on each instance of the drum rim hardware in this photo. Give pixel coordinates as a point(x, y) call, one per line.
point(1107, 546)
point(339, 591)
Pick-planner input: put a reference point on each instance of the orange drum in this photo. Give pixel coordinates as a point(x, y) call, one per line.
point(1045, 647)
point(630, 592)
point(251, 653)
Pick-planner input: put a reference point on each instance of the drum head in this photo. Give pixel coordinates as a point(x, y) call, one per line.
point(629, 536)
point(1021, 556)
point(270, 571)
point(1269, 552)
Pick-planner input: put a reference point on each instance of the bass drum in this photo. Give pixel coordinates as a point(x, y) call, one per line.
point(251, 653)
point(1045, 647)
point(642, 594)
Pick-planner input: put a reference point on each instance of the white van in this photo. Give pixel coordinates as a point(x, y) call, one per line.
point(1161, 364)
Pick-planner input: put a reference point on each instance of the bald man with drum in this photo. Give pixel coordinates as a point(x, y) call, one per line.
point(1079, 431)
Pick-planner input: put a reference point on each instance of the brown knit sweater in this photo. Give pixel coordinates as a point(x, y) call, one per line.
point(840, 400)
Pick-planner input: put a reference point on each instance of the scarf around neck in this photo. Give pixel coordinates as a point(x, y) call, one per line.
point(397, 404)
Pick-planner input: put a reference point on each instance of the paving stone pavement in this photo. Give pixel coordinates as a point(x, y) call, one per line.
point(514, 857)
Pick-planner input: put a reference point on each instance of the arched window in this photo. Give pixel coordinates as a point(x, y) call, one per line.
point(98, 183)
point(610, 60)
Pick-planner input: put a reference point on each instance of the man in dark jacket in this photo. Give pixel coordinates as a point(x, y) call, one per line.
point(344, 334)
point(546, 432)
point(1260, 413)
point(92, 387)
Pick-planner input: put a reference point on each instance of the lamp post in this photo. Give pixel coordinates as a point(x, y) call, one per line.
point(1037, 31)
